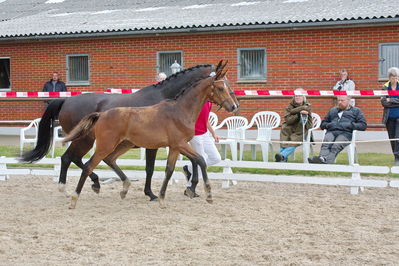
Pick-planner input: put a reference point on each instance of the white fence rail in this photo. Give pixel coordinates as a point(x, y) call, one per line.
point(355, 182)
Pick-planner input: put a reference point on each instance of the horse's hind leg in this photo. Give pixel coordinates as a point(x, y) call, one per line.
point(150, 155)
point(110, 160)
point(170, 167)
point(75, 153)
point(188, 151)
point(87, 169)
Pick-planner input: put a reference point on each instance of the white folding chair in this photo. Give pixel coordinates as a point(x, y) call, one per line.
point(57, 137)
point(23, 136)
point(306, 146)
point(235, 132)
point(350, 149)
point(265, 122)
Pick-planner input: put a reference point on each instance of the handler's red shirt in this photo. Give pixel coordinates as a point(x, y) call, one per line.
point(202, 120)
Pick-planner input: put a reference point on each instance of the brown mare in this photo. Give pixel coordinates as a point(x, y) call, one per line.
point(167, 124)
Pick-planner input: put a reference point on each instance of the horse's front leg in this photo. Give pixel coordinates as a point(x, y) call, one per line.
point(170, 167)
point(150, 155)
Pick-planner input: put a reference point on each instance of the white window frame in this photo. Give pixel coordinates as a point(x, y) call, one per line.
point(381, 60)
point(166, 52)
point(262, 78)
point(80, 82)
point(7, 89)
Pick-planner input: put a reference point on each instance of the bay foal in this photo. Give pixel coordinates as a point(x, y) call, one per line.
point(167, 124)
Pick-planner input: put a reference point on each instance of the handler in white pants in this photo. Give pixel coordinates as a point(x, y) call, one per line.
point(204, 143)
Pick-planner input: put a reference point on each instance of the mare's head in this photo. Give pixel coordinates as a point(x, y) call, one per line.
point(220, 93)
point(232, 93)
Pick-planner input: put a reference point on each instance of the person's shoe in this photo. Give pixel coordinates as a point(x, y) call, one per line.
point(191, 194)
point(317, 159)
point(279, 157)
point(186, 173)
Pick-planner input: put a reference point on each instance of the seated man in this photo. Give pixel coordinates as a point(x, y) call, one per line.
point(340, 123)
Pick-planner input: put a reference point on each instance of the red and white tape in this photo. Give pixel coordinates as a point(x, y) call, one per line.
point(291, 92)
point(40, 94)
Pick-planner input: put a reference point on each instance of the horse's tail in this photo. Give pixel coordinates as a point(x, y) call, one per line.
point(83, 128)
point(45, 133)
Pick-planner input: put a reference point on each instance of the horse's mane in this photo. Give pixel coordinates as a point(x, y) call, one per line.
point(186, 89)
point(181, 73)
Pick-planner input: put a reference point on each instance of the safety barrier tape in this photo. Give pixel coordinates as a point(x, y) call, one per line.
point(292, 92)
point(40, 94)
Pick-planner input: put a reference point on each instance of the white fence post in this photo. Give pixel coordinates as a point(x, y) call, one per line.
point(57, 170)
point(228, 172)
point(355, 176)
point(3, 166)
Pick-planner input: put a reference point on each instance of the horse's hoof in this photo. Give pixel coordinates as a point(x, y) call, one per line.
point(123, 194)
point(162, 204)
point(189, 193)
point(61, 187)
point(154, 199)
point(74, 199)
point(210, 201)
point(95, 188)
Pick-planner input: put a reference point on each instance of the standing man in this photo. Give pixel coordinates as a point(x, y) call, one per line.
point(203, 142)
point(54, 84)
point(339, 123)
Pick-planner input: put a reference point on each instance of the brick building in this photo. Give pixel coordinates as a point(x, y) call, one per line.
point(270, 45)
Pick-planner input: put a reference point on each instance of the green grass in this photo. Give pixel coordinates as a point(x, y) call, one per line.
point(364, 159)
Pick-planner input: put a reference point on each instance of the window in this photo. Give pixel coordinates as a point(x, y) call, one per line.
point(78, 69)
point(388, 57)
point(166, 59)
point(5, 74)
point(252, 64)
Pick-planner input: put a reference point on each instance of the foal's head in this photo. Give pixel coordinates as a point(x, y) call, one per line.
point(221, 94)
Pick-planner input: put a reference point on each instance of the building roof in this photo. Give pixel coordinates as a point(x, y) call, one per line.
point(58, 18)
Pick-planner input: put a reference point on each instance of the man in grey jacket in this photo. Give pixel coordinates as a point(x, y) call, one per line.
point(339, 123)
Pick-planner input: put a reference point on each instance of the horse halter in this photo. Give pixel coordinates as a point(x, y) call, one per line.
point(230, 93)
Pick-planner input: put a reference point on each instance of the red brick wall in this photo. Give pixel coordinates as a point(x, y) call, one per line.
point(301, 58)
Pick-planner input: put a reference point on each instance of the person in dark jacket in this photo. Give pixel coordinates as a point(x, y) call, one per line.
point(391, 111)
point(339, 123)
point(292, 129)
point(54, 84)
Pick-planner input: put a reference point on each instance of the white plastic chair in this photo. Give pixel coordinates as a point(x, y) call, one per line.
point(265, 122)
point(213, 119)
point(235, 132)
point(23, 138)
point(57, 137)
point(306, 146)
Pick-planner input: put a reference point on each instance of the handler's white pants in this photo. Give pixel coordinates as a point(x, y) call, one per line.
point(205, 146)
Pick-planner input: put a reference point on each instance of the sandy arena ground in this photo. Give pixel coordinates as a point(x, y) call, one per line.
point(248, 224)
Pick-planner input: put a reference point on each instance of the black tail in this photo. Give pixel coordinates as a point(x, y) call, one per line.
point(45, 133)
